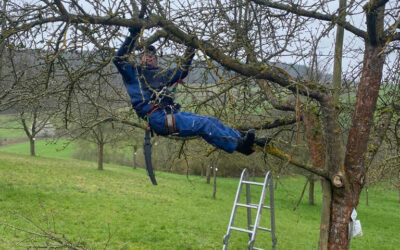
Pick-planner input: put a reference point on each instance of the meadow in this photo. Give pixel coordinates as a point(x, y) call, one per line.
point(118, 208)
point(10, 128)
point(56, 200)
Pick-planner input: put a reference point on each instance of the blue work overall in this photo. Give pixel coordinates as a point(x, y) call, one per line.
point(137, 81)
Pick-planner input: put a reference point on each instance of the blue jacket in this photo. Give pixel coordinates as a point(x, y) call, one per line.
point(144, 84)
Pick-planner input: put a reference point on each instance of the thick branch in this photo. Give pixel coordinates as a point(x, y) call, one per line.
point(282, 155)
point(315, 140)
point(270, 124)
point(288, 105)
point(111, 119)
point(266, 72)
point(25, 126)
point(363, 116)
point(61, 7)
point(374, 10)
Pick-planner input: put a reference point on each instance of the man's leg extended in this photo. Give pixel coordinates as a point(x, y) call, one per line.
point(209, 128)
point(214, 132)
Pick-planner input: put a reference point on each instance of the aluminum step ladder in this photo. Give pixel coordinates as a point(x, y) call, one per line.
point(252, 229)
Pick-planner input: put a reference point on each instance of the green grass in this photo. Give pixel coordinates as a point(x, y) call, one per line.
point(49, 148)
point(73, 198)
point(10, 128)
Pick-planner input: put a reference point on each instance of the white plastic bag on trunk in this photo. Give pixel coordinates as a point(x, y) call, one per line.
point(355, 229)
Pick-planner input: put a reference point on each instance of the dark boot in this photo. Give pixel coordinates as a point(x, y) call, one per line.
point(262, 141)
point(245, 143)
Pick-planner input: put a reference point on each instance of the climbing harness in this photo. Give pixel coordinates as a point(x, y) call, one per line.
point(170, 128)
point(158, 99)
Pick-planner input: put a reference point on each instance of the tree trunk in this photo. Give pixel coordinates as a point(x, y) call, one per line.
point(325, 225)
point(346, 192)
point(317, 151)
point(366, 196)
point(134, 156)
point(208, 174)
point(100, 147)
point(399, 191)
point(215, 182)
point(325, 214)
point(311, 191)
point(398, 186)
point(32, 146)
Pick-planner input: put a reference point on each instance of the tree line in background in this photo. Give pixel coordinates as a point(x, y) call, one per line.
point(343, 130)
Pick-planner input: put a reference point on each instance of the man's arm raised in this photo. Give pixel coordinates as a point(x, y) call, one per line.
point(121, 56)
point(183, 70)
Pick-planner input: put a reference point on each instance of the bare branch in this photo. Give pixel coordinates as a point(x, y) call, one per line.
point(314, 14)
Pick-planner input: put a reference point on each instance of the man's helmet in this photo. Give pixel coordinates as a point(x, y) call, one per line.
point(149, 57)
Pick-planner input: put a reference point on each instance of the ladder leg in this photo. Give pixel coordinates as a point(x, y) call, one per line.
point(259, 210)
point(232, 218)
point(248, 201)
point(252, 229)
point(272, 211)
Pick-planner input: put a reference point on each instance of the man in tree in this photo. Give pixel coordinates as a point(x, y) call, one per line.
point(149, 89)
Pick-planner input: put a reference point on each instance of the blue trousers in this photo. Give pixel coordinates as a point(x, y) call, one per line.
point(210, 129)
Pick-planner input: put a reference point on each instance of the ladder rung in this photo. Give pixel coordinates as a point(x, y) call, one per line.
point(252, 205)
point(253, 183)
point(262, 228)
point(242, 230)
point(247, 205)
point(256, 248)
point(266, 207)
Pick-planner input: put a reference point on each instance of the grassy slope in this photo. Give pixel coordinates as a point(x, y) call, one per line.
point(177, 214)
point(10, 128)
point(49, 148)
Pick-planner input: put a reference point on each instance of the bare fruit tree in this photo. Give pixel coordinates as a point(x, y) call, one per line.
point(250, 40)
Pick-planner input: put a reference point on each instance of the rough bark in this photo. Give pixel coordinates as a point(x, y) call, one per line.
point(337, 83)
point(346, 197)
point(317, 149)
point(325, 214)
point(315, 140)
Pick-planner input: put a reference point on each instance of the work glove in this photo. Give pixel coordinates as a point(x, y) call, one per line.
point(187, 58)
point(189, 51)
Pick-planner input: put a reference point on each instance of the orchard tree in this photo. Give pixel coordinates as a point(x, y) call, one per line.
point(248, 38)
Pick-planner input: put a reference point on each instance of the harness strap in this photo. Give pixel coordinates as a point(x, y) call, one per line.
point(153, 109)
point(170, 124)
